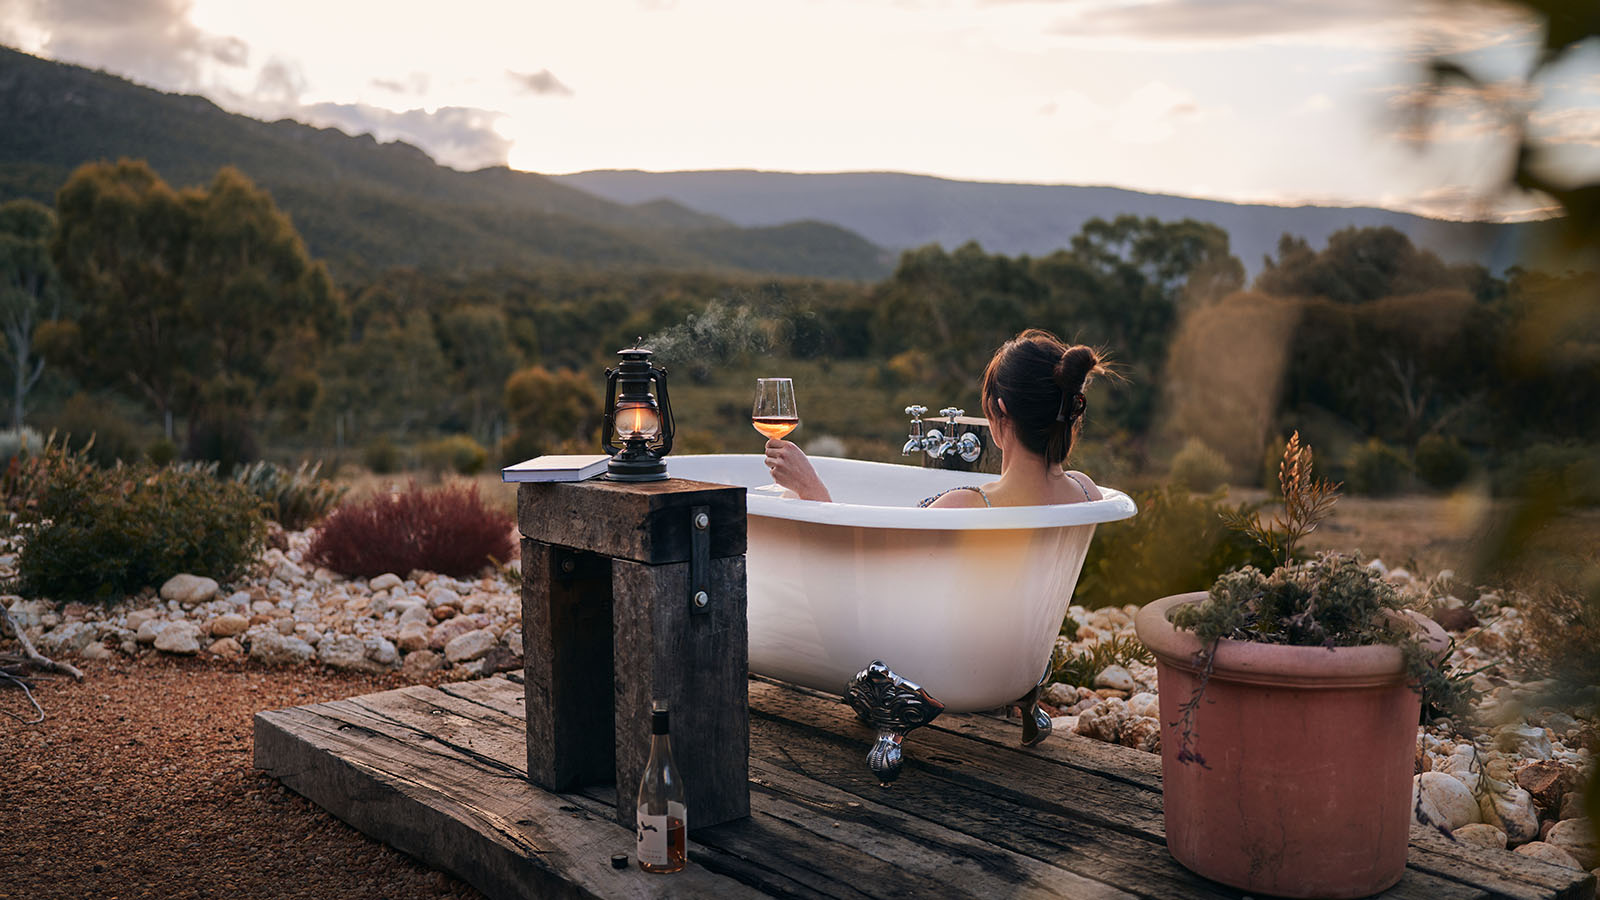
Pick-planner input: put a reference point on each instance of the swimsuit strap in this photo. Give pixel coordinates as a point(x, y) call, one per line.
point(969, 487)
point(1080, 486)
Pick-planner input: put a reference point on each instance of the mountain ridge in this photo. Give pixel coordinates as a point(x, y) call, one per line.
point(900, 210)
point(366, 205)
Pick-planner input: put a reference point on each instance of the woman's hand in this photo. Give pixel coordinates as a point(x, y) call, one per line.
point(791, 469)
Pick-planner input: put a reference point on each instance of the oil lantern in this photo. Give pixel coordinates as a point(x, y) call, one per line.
point(638, 423)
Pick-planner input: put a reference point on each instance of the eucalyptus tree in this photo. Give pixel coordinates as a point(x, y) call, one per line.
point(180, 291)
point(30, 293)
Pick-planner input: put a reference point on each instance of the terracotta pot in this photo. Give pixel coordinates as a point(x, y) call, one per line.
point(1306, 786)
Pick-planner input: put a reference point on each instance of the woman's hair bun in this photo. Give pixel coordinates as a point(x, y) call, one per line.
point(1076, 367)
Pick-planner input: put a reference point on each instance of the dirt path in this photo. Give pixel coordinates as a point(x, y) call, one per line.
point(139, 784)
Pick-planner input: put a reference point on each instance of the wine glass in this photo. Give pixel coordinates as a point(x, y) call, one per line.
point(775, 414)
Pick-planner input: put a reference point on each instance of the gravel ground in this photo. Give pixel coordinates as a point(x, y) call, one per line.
point(140, 784)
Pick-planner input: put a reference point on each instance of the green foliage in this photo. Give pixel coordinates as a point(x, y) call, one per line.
point(552, 409)
point(457, 453)
point(295, 499)
point(30, 293)
point(1567, 471)
point(1331, 601)
point(97, 429)
point(178, 288)
point(1198, 468)
point(1069, 628)
point(1377, 469)
point(382, 457)
point(224, 435)
point(1307, 500)
point(27, 476)
point(161, 452)
point(1177, 541)
point(1360, 265)
point(1563, 628)
point(1442, 463)
point(100, 534)
point(1080, 668)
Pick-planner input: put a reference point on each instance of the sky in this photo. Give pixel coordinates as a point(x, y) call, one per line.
point(1280, 101)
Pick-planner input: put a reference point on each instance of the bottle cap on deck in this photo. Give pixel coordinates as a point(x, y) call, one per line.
point(619, 860)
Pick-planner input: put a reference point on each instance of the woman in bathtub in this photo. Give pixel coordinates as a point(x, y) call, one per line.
point(1033, 397)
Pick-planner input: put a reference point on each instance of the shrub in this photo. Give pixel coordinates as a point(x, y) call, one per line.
point(223, 436)
point(1178, 542)
point(296, 499)
point(447, 530)
point(520, 445)
point(1569, 473)
point(162, 451)
point(95, 429)
point(104, 533)
point(1080, 669)
point(1377, 469)
point(1198, 467)
point(382, 457)
point(1563, 628)
point(457, 453)
point(26, 477)
point(1442, 463)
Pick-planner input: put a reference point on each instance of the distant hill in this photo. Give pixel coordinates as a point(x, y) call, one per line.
point(900, 211)
point(366, 206)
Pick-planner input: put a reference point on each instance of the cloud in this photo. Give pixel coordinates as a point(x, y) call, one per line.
point(457, 136)
point(415, 83)
point(152, 41)
point(279, 84)
point(540, 82)
point(1453, 27)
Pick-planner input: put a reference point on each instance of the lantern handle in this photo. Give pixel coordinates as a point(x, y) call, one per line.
point(609, 422)
point(666, 409)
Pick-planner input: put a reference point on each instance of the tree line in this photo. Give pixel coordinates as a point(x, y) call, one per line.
point(200, 314)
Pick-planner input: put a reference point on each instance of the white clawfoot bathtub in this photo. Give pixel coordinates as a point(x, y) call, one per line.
point(965, 602)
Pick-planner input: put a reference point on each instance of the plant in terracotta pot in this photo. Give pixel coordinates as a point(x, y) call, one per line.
point(1289, 709)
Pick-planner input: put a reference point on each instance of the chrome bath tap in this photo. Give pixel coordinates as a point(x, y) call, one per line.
point(937, 444)
point(916, 441)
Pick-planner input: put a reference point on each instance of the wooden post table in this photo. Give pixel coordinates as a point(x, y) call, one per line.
point(635, 591)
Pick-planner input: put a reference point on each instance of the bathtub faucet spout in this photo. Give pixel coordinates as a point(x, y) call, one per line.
point(940, 444)
point(916, 442)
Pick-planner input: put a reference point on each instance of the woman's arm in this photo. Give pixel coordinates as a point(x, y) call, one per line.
point(791, 469)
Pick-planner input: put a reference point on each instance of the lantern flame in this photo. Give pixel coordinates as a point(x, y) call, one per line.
point(637, 421)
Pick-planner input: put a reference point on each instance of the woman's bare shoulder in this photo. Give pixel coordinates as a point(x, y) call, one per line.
point(960, 498)
point(1087, 483)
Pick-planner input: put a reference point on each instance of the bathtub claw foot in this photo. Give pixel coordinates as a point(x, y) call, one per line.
point(1036, 723)
point(894, 706)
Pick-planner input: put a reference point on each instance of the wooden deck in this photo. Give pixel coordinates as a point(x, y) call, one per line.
point(439, 775)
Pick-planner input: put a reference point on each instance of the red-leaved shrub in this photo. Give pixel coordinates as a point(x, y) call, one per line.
point(447, 530)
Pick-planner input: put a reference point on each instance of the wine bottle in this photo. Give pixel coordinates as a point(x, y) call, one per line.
point(662, 830)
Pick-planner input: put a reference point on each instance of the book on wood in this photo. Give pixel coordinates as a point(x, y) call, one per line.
point(557, 468)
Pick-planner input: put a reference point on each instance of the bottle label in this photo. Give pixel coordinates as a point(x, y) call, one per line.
point(652, 833)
